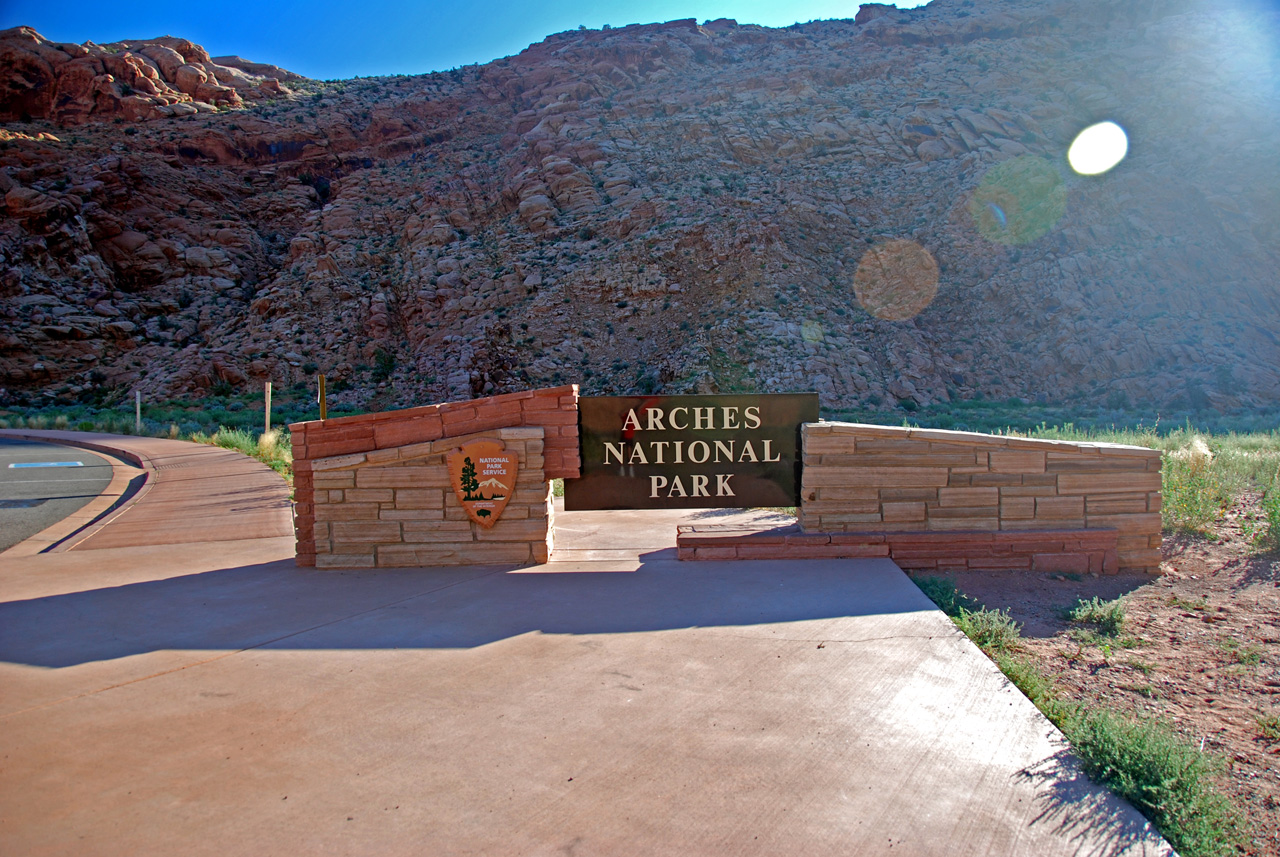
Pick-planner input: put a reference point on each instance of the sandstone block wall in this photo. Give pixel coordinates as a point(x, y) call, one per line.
point(876, 479)
point(382, 438)
point(397, 508)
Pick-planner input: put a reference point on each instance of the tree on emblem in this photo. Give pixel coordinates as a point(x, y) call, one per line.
point(469, 482)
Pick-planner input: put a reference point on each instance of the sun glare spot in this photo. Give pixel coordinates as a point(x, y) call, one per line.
point(896, 280)
point(1098, 148)
point(1019, 200)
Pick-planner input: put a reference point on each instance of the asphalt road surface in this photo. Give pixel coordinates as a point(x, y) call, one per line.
point(40, 485)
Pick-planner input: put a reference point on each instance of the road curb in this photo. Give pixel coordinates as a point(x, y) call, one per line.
point(131, 477)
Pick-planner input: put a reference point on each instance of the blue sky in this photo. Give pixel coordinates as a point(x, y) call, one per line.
point(329, 39)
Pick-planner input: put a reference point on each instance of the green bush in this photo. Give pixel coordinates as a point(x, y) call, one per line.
point(991, 630)
point(1106, 616)
point(1166, 777)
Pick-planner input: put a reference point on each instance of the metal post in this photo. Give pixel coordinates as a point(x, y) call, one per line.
point(267, 424)
point(137, 412)
point(324, 404)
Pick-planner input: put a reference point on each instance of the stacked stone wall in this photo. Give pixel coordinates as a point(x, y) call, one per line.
point(865, 479)
point(393, 447)
point(396, 508)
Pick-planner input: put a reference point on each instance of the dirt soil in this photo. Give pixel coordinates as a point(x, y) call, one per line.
point(1200, 650)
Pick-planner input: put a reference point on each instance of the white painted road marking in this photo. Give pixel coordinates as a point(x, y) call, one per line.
point(47, 464)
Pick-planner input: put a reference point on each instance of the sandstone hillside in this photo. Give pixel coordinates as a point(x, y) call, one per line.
point(672, 207)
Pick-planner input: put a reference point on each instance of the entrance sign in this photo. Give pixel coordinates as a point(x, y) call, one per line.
point(689, 452)
point(484, 478)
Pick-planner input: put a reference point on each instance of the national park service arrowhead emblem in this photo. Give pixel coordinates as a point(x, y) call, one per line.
point(484, 478)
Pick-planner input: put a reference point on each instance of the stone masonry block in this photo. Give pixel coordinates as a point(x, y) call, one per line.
point(1119, 504)
point(834, 507)
point(1069, 563)
point(365, 532)
point(903, 511)
point(1017, 461)
point(1033, 524)
point(1017, 507)
point(411, 515)
point(513, 530)
point(1145, 523)
point(900, 495)
point(1060, 507)
point(1107, 483)
point(419, 498)
point(347, 512)
point(996, 480)
point(950, 497)
point(1143, 559)
point(346, 479)
point(992, 523)
point(369, 495)
point(844, 493)
point(338, 462)
point(869, 477)
point(402, 477)
point(1028, 491)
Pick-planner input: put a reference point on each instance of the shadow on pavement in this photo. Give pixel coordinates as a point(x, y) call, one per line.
point(281, 606)
point(1069, 802)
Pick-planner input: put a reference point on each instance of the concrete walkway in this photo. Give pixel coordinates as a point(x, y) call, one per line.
point(211, 698)
point(186, 493)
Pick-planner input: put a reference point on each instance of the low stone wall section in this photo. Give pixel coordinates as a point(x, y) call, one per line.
point(380, 437)
point(1069, 551)
point(396, 508)
point(875, 480)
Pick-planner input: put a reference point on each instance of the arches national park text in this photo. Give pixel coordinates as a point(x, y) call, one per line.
point(706, 451)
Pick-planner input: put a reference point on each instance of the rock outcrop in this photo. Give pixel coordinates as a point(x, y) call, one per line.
point(877, 209)
point(143, 79)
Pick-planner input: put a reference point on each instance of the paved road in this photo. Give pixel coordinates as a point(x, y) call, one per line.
point(32, 497)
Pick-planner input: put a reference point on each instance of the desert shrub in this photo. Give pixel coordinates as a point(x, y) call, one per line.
point(1164, 776)
point(1106, 616)
point(991, 630)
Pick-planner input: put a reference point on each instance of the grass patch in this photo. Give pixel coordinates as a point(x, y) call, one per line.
point(1106, 616)
point(944, 594)
point(1164, 776)
point(271, 448)
point(1246, 655)
point(1200, 603)
point(991, 630)
point(1269, 726)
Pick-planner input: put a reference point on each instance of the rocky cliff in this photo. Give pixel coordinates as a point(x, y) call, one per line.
point(879, 209)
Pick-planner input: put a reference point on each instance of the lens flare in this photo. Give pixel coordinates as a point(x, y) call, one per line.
point(1098, 148)
point(1019, 200)
point(896, 280)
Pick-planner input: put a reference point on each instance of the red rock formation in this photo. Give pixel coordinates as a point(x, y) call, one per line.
point(135, 80)
point(674, 207)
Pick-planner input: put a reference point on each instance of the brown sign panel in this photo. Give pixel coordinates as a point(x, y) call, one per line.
point(689, 452)
point(484, 478)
